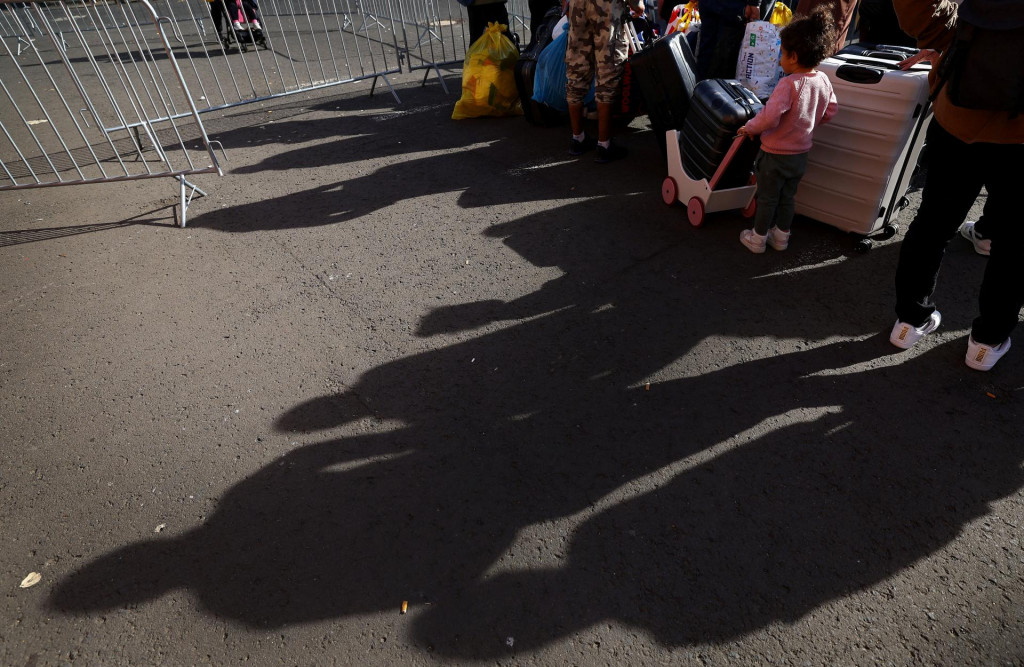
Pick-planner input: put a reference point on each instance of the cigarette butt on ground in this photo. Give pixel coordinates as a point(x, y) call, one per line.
point(405, 606)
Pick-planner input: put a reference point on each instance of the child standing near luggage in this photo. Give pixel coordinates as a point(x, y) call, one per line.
point(800, 102)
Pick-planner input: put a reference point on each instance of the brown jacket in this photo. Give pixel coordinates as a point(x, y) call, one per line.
point(932, 23)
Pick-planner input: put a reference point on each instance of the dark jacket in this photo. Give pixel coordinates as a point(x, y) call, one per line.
point(728, 9)
point(933, 24)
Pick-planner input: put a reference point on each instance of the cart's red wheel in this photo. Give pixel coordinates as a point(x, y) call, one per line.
point(750, 209)
point(669, 190)
point(695, 212)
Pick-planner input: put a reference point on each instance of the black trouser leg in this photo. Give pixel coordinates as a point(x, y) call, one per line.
point(950, 188)
point(1002, 288)
point(955, 176)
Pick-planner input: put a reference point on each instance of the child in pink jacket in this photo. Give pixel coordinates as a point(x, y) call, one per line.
point(801, 100)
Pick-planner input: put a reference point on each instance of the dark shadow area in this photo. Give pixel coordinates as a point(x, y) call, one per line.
point(537, 485)
point(490, 161)
point(19, 236)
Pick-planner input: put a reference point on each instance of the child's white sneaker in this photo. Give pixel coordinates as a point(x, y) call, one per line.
point(256, 25)
point(778, 239)
point(982, 357)
point(755, 242)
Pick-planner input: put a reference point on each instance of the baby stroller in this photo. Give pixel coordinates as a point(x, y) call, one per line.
point(245, 28)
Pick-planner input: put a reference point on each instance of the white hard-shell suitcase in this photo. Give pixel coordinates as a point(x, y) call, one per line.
point(862, 160)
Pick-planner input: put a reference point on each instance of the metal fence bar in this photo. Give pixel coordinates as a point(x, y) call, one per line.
point(130, 76)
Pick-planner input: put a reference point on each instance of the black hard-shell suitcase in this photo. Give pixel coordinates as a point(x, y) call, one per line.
point(664, 73)
point(718, 109)
point(526, 67)
point(891, 52)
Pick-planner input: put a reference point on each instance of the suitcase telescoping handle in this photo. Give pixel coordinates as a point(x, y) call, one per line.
point(631, 37)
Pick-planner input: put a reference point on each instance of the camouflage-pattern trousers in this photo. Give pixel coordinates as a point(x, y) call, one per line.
point(597, 41)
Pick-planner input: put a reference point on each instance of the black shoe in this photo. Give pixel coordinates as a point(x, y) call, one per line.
point(613, 152)
point(581, 147)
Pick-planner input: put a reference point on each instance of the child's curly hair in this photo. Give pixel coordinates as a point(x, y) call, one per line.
point(811, 38)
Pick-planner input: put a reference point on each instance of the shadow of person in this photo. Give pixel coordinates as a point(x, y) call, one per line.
point(539, 444)
point(760, 512)
point(484, 174)
point(808, 492)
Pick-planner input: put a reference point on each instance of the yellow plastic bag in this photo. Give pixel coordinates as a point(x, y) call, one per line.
point(488, 77)
point(781, 15)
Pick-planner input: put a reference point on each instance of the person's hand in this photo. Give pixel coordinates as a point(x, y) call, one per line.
point(924, 55)
point(752, 13)
point(742, 132)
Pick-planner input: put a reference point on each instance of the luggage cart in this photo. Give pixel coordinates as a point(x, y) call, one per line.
point(702, 196)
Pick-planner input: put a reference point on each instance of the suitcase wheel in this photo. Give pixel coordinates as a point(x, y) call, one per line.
point(889, 230)
point(669, 190)
point(695, 212)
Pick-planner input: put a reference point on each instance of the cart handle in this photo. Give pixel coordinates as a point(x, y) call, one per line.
point(736, 143)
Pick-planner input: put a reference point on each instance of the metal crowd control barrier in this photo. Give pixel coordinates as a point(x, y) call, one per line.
point(436, 33)
point(294, 46)
point(115, 111)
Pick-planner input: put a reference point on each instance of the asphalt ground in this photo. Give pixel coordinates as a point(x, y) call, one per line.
point(398, 360)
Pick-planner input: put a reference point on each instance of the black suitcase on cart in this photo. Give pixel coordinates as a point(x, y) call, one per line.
point(664, 73)
point(525, 69)
point(718, 108)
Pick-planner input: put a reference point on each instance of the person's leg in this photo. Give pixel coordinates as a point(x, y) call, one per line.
point(218, 16)
point(604, 121)
point(481, 15)
point(611, 50)
point(950, 188)
point(727, 50)
point(792, 168)
point(769, 185)
point(707, 37)
point(579, 72)
point(1002, 289)
point(576, 118)
point(981, 227)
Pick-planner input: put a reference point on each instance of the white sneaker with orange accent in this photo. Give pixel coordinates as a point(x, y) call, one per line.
point(905, 336)
point(982, 357)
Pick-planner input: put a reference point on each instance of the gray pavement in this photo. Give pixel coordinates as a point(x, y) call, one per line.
point(397, 359)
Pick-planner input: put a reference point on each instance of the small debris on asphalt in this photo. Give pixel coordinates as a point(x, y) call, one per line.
point(405, 606)
point(509, 641)
point(160, 528)
point(31, 580)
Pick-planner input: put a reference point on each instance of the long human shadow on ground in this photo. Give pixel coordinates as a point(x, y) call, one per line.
point(416, 151)
point(536, 486)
